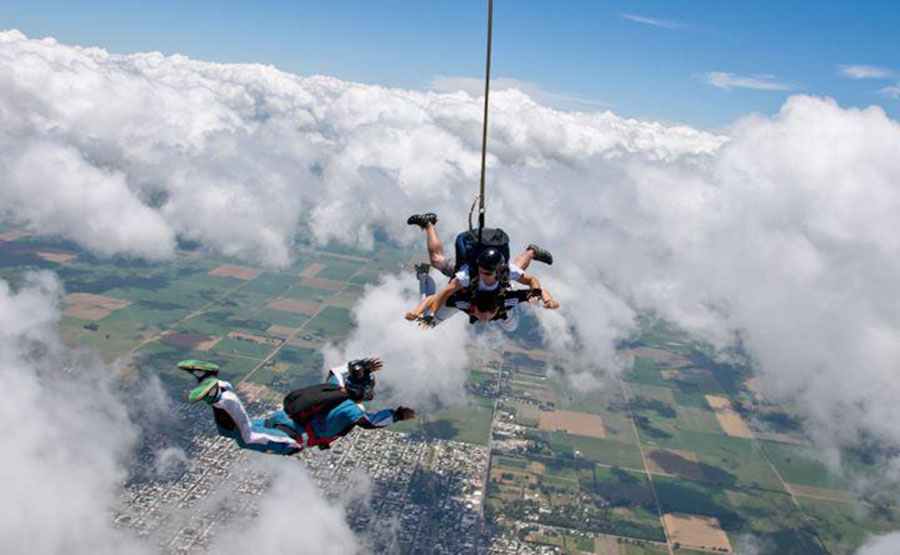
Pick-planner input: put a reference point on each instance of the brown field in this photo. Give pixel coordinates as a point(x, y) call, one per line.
point(312, 270)
point(674, 462)
point(577, 423)
point(327, 284)
point(58, 257)
point(752, 384)
point(87, 306)
point(280, 331)
point(102, 301)
point(14, 234)
point(208, 344)
point(258, 339)
point(86, 312)
point(606, 545)
point(239, 272)
point(294, 305)
point(665, 357)
point(730, 421)
point(696, 531)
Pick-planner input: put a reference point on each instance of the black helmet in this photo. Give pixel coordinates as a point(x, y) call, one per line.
point(490, 259)
point(360, 383)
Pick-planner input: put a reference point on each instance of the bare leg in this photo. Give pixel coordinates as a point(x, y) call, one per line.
point(435, 248)
point(524, 259)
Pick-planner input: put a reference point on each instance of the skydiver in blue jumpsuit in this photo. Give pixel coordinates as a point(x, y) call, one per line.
point(278, 433)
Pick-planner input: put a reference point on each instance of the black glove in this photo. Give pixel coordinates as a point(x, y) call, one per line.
point(404, 413)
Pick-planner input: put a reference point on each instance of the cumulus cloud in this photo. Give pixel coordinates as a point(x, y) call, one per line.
point(66, 434)
point(727, 81)
point(422, 368)
point(866, 72)
point(293, 517)
point(474, 87)
point(780, 232)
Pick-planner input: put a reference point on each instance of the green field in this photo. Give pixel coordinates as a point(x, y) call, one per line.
point(469, 424)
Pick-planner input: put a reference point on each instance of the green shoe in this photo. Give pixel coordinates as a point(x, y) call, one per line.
point(207, 391)
point(200, 369)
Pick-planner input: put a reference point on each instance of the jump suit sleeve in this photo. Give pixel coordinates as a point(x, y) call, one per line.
point(378, 419)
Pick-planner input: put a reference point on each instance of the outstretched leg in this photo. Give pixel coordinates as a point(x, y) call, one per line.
point(436, 255)
point(533, 252)
point(230, 415)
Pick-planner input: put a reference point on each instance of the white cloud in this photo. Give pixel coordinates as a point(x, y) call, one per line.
point(783, 231)
point(655, 22)
point(423, 369)
point(474, 86)
point(293, 517)
point(725, 80)
point(866, 72)
point(887, 544)
point(892, 91)
point(66, 434)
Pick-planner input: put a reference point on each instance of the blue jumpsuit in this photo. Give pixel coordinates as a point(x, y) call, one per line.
point(275, 434)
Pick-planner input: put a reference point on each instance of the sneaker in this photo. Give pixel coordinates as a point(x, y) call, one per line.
point(207, 391)
point(540, 254)
point(422, 270)
point(422, 220)
point(200, 369)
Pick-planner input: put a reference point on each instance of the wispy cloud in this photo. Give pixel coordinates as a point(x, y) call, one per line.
point(656, 22)
point(475, 87)
point(892, 91)
point(866, 72)
point(725, 80)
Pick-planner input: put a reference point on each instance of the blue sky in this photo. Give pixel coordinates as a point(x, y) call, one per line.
point(650, 59)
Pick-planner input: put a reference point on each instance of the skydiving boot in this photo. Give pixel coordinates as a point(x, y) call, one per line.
point(200, 369)
point(208, 391)
point(540, 254)
point(422, 220)
point(422, 271)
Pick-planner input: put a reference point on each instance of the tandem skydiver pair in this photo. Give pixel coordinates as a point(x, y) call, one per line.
point(480, 277)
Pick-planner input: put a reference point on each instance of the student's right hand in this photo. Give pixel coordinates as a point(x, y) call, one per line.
point(411, 316)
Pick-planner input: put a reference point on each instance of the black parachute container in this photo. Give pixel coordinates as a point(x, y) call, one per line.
point(301, 405)
point(469, 246)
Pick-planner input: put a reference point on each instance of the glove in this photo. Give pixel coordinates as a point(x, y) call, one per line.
point(404, 413)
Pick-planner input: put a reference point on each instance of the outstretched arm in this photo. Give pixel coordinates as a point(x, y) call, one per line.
point(534, 283)
point(416, 312)
point(386, 417)
point(445, 293)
